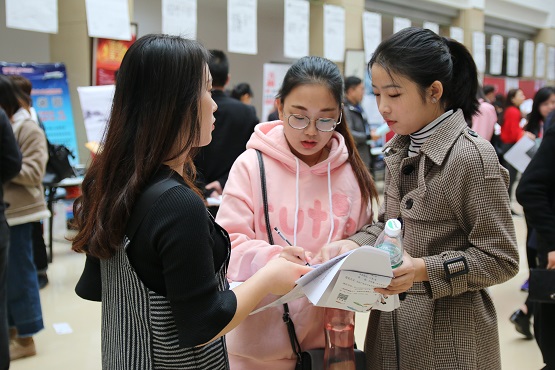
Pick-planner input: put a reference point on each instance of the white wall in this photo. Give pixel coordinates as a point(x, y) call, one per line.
point(22, 46)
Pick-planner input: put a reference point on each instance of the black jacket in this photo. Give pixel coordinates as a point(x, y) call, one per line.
point(536, 194)
point(10, 157)
point(235, 123)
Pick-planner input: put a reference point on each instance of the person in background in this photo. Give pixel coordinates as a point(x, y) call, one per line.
point(274, 115)
point(234, 125)
point(318, 190)
point(356, 118)
point(10, 166)
point(511, 132)
point(165, 298)
point(458, 242)
point(489, 93)
point(39, 247)
point(543, 104)
point(536, 194)
point(243, 93)
point(483, 122)
point(499, 104)
point(25, 195)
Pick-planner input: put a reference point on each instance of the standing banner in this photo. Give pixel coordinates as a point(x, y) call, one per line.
point(107, 57)
point(273, 78)
point(51, 100)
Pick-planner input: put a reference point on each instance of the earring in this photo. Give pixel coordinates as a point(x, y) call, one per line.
point(434, 100)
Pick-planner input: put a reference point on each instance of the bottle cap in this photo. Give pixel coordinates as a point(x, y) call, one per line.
point(393, 227)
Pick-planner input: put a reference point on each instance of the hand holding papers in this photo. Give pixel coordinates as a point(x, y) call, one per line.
point(521, 153)
point(346, 282)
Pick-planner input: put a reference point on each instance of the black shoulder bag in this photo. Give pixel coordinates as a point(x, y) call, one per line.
point(314, 358)
point(542, 286)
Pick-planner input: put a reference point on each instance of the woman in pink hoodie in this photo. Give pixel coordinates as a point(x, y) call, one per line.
point(319, 190)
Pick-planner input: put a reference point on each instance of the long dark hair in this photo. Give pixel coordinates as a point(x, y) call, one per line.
point(155, 110)
point(535, 118)
point(320, 71)
point(423, 57)
point(11, 96)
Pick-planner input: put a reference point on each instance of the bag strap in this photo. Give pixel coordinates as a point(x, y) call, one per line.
point(286, 317)
point(145, 202)
point(264, 195)
point(295, 345)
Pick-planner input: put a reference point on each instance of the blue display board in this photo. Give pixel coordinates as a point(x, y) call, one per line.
point(51, 100)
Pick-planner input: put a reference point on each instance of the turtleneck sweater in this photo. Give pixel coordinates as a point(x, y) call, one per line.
point(418, 138)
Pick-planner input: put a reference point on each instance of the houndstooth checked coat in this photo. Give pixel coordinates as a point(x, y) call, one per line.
point(454, 205)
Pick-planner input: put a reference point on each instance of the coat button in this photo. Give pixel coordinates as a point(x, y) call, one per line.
point(472, 133)
point(409, 203)
point(408, 169)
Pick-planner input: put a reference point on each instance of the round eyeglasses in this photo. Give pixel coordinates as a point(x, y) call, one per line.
point(300, 122)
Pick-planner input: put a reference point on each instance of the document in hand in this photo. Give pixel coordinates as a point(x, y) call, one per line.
point(347, 282)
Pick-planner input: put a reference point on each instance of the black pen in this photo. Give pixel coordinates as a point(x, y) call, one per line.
point(288, 242)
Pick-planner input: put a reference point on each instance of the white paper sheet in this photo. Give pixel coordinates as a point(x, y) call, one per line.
point(431, 26)
point(334, 33)
point(96, 103)
point(372, 33)
point(272, 80)
point(456, 33)
point(108, 19)
point(242, 26)
point(528, 59)
point(32, 15)
point(296, 23)
point(520, 155)
point(346, 282)
point(479, 50)
point(540, 60)
point(496, 55)
point(179, 17)
point(551, 63)
point(400, 23)
point(512, 56)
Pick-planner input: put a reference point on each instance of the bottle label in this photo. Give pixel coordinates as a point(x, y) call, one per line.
point(395, 253)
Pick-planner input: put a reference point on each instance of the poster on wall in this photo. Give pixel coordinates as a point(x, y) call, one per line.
point(528, 59)
point(242, 26)
point(456, 33)
point(179, 17)
point(296, 28)
point(431, 26)
point(96, 105)
point(496, 55)
point(32, 15)
point(108, 19)
point(273, 77)
point(512, 56)
point(51, 100)
point(334, 33)
point(107, 57)
point(371, 32)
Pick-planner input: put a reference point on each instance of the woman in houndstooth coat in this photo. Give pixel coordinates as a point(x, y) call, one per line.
point(446, 185)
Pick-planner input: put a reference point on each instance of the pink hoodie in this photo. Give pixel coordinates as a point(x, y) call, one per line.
point(299, 200)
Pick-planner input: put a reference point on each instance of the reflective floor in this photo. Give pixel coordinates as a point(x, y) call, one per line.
point(71, 339)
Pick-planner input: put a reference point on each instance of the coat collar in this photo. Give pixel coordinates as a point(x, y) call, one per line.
point(438, 145)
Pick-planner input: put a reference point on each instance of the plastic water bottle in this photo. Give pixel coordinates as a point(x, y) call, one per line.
point(390, 241)
point(339, 328)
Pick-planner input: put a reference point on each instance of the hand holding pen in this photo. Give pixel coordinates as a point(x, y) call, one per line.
point(287, 252)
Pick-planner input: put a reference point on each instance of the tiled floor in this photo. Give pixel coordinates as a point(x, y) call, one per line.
point(80, 349)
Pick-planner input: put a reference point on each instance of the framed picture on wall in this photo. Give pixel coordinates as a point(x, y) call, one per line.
point(107, 55)
point(355, 63)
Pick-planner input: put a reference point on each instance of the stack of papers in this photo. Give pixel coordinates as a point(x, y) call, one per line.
point(347, 282)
